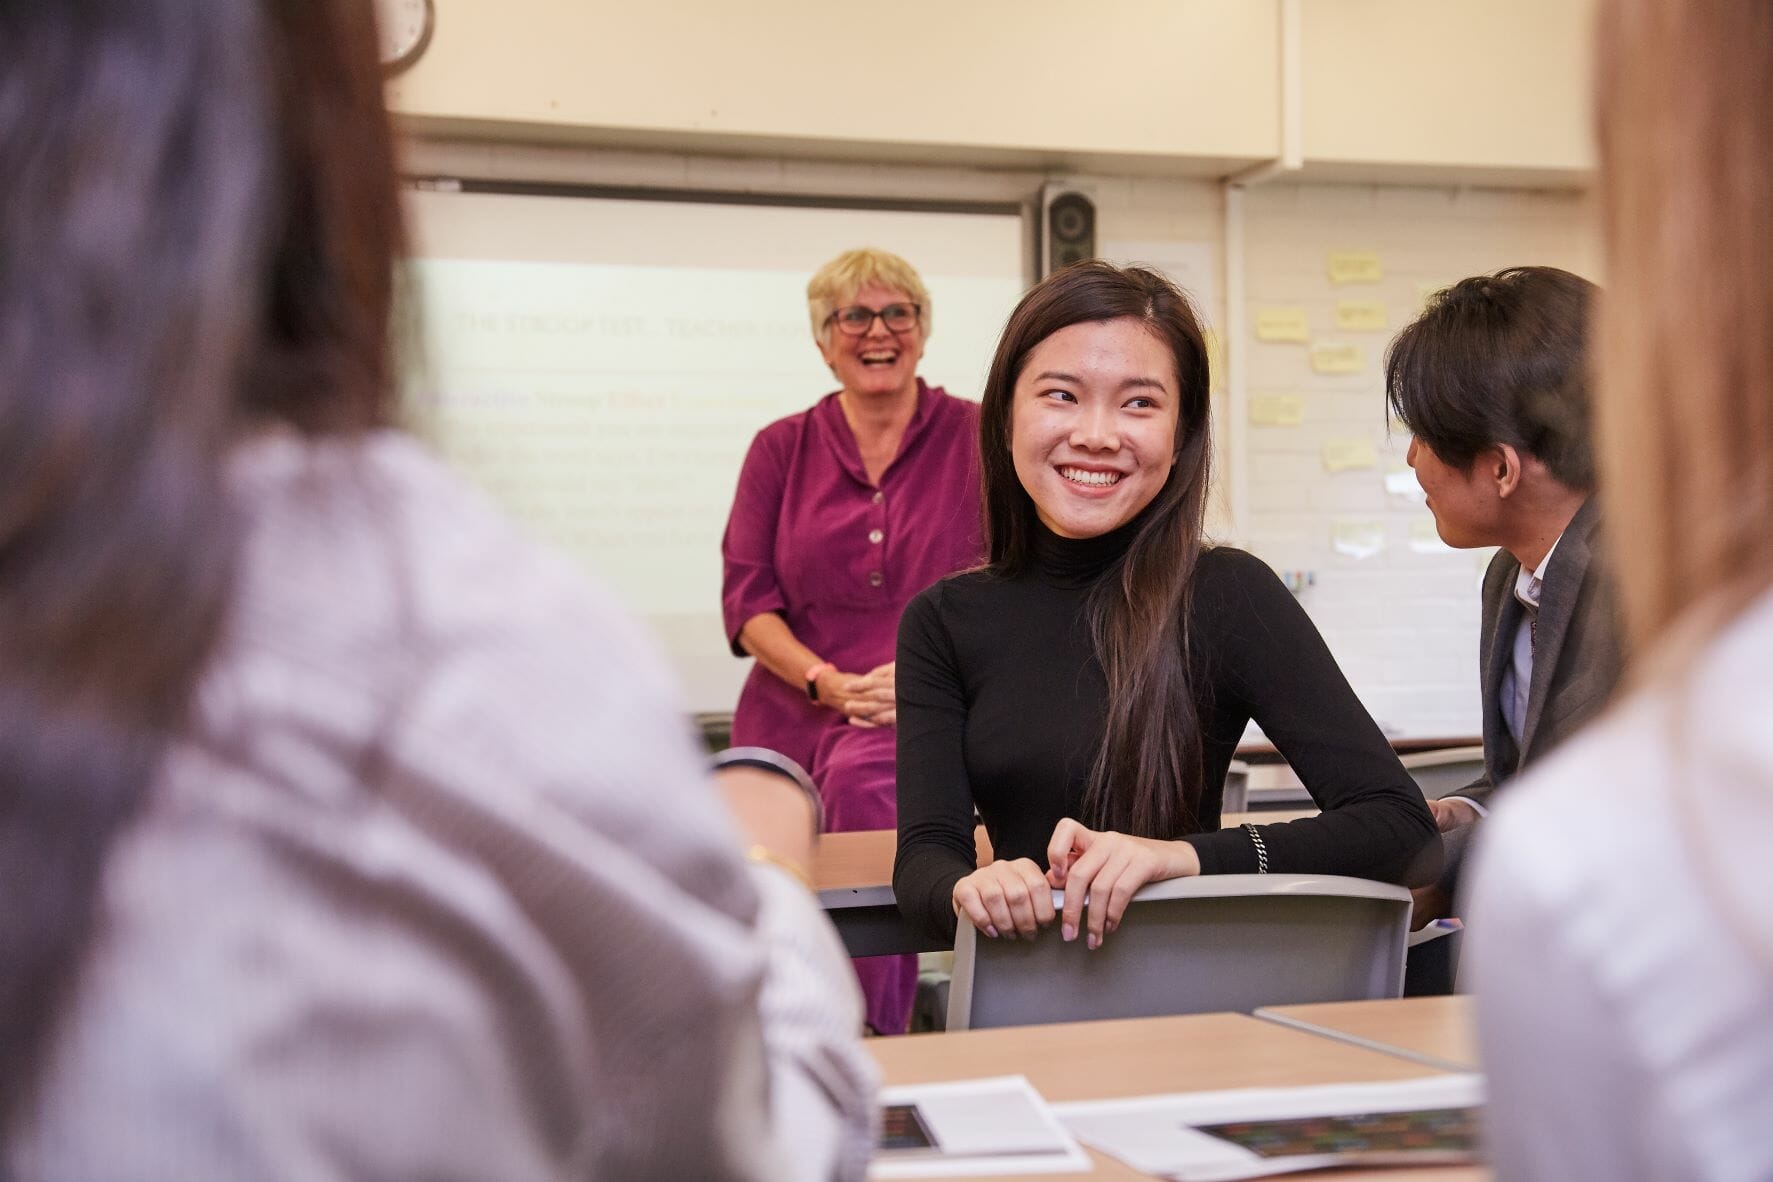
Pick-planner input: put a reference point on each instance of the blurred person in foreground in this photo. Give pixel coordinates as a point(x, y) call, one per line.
point(1621, 946)
point(322, 854)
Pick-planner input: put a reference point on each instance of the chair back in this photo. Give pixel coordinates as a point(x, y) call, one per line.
point(1236, 797)
point(1194, 945)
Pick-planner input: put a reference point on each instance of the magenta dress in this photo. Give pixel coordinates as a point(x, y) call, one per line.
point(811, 538)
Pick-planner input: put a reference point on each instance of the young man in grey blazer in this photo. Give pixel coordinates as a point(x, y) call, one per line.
point(1492, 382)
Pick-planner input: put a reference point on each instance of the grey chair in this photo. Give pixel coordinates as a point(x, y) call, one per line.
point(1447, 770)
point(1237, 788)
point(1194, 945)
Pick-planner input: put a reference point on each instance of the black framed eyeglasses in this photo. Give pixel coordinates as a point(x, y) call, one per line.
point(857, 319)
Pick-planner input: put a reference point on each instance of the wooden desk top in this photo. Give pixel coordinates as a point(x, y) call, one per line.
point(853, 861)
point(1267, 752)
point(864, 858)
point(1437, 1031)
point(1145, 1056)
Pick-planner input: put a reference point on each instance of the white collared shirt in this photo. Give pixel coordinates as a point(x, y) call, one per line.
point(1517, 679)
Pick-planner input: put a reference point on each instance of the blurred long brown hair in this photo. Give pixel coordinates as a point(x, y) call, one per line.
point(1686, 329)
point(198, 224)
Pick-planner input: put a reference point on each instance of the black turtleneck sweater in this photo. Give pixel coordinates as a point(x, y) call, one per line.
point(1003, 704)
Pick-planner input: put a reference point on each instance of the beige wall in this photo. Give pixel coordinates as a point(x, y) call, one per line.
point(1423, 91)
point(1051, 80)
point(1402, 619)
point(1487, 84)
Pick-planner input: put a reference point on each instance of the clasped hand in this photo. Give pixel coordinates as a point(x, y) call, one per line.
point(1098, 871)
point(868, 698)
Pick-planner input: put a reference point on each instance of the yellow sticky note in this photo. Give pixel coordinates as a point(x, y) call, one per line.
point(1362, 538)
point(1344, 455)
point(1215, 357)
point(1282, 324)
point(1425, 538)
point(1360, 315)
point(1354, 266)
point(1277, 410)
point(1335, 358)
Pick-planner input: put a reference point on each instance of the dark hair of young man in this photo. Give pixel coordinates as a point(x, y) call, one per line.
point(1500, 359)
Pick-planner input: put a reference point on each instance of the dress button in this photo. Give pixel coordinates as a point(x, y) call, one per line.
point(875, 536)
point(879, 497)
point(875, 578)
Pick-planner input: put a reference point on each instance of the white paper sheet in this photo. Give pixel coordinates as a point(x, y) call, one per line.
point(983, 1127)
point(1155, 1133)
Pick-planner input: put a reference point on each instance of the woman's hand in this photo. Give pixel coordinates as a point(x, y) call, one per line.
point(858, 696)
point(1108, 868)
point(838, 689)
point(872, 702)
point(1008, 898)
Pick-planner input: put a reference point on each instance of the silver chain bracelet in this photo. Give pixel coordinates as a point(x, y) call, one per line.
point(1261, 848)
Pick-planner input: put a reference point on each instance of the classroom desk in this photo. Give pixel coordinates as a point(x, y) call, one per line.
point(1269, 753)
point(864, 858)
point(1434, 1031)
point(1271, 782)
point(1145, 1056)
point(853, 874)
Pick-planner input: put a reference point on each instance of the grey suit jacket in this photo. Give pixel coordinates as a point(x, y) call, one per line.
point(1576, 661)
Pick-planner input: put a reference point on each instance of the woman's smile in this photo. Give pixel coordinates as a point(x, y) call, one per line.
point(1093, 425)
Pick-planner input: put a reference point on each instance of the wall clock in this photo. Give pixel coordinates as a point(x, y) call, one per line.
point(405, 27)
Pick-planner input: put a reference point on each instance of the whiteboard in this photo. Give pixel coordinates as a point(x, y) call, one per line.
point(599, 365)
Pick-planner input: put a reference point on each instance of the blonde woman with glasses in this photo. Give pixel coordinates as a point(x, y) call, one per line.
point(843, 513)
point(1621, 945)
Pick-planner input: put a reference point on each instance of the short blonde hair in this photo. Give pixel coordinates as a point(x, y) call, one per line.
point(837, 282)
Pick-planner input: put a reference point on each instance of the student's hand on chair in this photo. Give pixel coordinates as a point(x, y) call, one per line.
point(873, 701)
point(1108, 868)
point(1007, 898)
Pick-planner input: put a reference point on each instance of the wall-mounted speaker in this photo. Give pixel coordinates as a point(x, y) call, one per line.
point(1068, 228)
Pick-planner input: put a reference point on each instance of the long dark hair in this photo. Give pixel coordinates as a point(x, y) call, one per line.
point(1147, 776)
point(197, 231)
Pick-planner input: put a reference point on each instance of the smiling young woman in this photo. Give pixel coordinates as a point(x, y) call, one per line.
point(1086, 689)
point(1093, 424)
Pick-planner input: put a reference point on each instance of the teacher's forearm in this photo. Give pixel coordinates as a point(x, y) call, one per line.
point(767, 637)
